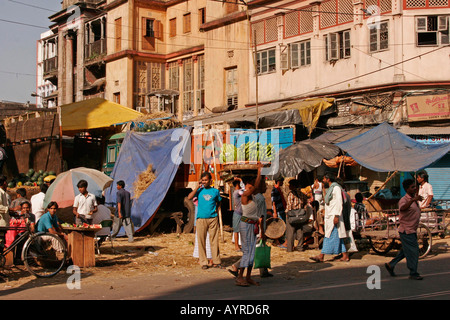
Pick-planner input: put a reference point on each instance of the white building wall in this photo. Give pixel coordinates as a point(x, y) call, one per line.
point(363, 69)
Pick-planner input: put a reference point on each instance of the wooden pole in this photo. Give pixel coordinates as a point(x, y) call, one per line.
point(216, 184)
point(392, 175)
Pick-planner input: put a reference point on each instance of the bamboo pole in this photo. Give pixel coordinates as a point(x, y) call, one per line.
point(216, 184)
point(392, 175)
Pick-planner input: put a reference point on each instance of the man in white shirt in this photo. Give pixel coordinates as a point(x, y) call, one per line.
point(85, 204)
point(37, 202)
point(4, 204)
point(425, 189)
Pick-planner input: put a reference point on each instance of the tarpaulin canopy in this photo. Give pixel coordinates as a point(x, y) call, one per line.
point(94, 113)
point(384, 149)
point(274, 114)
point(310, 110)
point(138, 150)
point(305, 155)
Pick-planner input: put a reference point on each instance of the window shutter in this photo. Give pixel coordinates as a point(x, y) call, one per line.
point(442, 23)
point(421, 24)
point(157, 26)
point(333, 48)
point(284, 58)
point(294, 55)
point(347, 44)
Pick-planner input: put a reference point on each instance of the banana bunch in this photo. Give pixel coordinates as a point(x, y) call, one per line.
point(250, 151)
point(228, 153)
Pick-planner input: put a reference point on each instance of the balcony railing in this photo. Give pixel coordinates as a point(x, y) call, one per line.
point(95, 49)
point(50, 65)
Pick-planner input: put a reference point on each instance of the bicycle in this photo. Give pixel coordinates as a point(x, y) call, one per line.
point(43, 254)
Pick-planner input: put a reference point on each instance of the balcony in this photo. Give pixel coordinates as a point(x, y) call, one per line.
point(50, 66)
point(95, 50)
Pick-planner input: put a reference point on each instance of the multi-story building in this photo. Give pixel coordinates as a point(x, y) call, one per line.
point(348, 49)
point(175, 56)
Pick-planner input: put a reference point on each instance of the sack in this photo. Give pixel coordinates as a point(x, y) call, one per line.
point(297, 216)
point(262, 256)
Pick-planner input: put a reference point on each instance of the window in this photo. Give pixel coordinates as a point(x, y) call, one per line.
point(173, 27)
point(187, 23)
point(116, 97)
point(201, 16)
point(265, 61)
point(201, 84)
point(379, 37)
point(337, 45)
point(173, 76)
point(432, 30)
point(188, 89)
point(300, 54)
point(232, 87)
point(149, 31)
point(118, 34)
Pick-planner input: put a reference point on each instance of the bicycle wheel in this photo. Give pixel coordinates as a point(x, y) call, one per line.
point(44, 255)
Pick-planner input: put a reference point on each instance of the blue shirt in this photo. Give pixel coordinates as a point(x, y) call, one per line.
point(207, 202)
point(47, 222)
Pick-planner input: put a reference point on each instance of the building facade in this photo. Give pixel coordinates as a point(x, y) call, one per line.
point(176, 56)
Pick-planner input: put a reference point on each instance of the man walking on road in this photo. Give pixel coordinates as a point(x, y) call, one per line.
point(408, 219)
point(123, 217)
point(335, 232)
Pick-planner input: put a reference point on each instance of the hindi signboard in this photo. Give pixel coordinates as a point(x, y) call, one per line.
point(432, 107)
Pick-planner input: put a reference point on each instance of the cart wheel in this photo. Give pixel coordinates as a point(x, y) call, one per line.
point(190, 216)
point(424, 238)
point(383, 246)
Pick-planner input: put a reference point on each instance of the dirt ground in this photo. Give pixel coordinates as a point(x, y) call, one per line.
point(171, 253)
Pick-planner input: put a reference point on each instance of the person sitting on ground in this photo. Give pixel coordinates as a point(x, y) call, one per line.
point(297, 200)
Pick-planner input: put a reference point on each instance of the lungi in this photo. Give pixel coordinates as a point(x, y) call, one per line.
point(333, 244)
point(248, 239)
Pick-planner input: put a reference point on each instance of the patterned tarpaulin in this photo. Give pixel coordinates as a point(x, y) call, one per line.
point(64, 189)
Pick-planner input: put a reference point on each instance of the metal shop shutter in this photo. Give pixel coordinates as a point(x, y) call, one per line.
point(439, 177)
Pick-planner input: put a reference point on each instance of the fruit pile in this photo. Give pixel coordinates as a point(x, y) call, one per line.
point(250, 151)
point(30, 179)
point(84, 225)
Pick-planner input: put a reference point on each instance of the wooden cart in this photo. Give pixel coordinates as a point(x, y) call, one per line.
point(381, 229)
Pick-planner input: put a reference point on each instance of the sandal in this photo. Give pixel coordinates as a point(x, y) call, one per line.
point(315, 259)
point(253, 282)
point(218, 266)
point(241, 283)
point(234, 273)
point(205, 267)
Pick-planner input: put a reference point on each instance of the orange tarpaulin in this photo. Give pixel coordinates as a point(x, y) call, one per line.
point(336, 161)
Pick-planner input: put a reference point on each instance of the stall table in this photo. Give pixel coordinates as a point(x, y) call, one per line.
point(81, 245)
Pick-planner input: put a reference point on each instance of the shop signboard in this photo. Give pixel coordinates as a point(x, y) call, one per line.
point(430, 107)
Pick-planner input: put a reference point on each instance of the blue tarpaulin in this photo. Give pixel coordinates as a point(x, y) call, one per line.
point(138, 150)
point(384, 149)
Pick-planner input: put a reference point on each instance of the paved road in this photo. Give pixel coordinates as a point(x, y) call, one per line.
point(338, 281)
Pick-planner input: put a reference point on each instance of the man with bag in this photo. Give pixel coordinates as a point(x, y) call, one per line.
point(335, 233)
point(298, 216)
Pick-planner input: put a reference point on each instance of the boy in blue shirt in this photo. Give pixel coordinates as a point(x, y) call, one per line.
point(207, 221)
point(49, 222)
